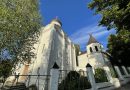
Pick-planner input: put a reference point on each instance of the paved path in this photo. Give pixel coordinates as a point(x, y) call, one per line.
point(125, 87)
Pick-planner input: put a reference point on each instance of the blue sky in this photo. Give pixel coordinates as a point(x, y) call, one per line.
point(78, 21)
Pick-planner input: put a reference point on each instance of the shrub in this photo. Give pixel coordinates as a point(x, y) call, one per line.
point(74, 81)
point(100, 75)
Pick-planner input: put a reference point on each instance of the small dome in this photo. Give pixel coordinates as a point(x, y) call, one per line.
point(57, 20)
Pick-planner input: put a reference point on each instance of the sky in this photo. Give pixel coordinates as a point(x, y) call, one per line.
point(77, 20)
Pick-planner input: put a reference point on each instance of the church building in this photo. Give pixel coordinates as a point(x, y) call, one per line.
point(54, 46)
point(95, 55)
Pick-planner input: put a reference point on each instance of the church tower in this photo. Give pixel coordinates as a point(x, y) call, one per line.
point(94, 52)
point(93, 46)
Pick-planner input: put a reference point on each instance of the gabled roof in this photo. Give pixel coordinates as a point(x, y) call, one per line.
point(92, 40)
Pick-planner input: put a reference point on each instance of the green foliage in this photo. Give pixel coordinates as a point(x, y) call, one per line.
point(5, 68)
point(100, 75)
point(19, 27)
point(74, 81)
point(119, 47)
point(115, 13)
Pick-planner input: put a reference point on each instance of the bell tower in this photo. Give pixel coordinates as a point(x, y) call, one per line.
point(93, 45)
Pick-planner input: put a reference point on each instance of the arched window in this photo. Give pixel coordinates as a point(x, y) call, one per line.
point(96, 48)
point(91, 49)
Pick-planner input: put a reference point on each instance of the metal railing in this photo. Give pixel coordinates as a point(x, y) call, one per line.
point(38, 79)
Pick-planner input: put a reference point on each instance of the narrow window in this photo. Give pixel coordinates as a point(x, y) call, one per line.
point(96, 48)
point(91, 49)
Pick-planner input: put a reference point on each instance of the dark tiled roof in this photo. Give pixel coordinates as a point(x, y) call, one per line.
point(92, 40)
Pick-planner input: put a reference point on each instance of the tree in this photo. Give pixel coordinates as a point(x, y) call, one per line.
point(119, 47)
point(5, 68)
point(100, 75)
point(115, 14)
point(19, 27)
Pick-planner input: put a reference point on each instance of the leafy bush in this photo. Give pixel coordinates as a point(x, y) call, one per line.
point(74, 81)
point(5, 68)
point(100, 75)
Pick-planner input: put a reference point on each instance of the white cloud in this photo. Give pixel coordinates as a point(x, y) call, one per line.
point(81, 36)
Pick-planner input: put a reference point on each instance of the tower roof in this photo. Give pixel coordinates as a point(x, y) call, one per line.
point(92, 40)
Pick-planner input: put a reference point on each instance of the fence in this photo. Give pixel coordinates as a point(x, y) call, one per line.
point(72, 80)
point(41, 82)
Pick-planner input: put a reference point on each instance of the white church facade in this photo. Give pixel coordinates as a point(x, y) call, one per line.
point(54, 46)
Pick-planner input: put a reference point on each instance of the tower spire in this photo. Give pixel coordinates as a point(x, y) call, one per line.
point(91, 39)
